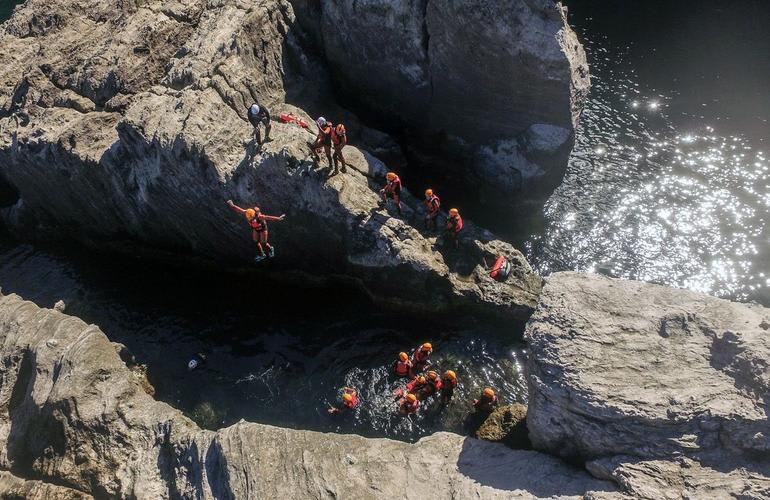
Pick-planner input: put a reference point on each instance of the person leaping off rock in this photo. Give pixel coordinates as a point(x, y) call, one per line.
point(258, 223)
point(259, 114)
point(392, 190)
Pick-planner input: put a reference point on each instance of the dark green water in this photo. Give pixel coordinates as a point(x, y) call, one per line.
point(6, 8)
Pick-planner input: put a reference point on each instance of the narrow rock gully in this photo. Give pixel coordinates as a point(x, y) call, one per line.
point(275, 353)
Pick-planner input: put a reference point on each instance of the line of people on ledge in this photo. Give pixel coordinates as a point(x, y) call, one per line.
point(423, 383)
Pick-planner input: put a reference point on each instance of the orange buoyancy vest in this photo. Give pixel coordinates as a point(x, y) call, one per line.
point(258, 223)
point(455, 223)
point(433, 203)
point(402, 367)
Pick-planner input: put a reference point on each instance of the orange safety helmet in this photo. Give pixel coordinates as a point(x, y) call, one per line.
point(427, 346)
point(403, 356)
point(347, 397)
point(421, 379)
point(411, 398)
point(390, 176)
point(429, 192)
point(250, 213)
point(489, 392)
point(454, 211)
point(340, 129)
point(432, 375)
point(450, 375)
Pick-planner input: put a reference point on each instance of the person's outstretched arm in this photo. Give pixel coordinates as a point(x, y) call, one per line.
point(273, 217)
point(235, 207)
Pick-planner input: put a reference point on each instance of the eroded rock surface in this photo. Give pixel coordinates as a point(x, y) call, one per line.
point(646, 373)
point(72, 414)
point(124, 126)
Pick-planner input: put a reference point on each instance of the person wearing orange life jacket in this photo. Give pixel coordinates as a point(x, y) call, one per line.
point(408, 405)
point(402, 366)
point(454, 224)
point(448, 384)
point(432, 206)
point(258, 223)
point(420, 357)
point(432, 386)
point(323, 140)
point(487, 401)
point(348, 401)
point(339, 141)
point(416, 385)
point(392, 190)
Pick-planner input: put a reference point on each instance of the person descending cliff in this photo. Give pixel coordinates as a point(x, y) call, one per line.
point(448, 385)
point(432, 206)
point(258, 223)
point(454, 224)
point(420, 357)
point(408, 405)
point(339, 141)
point(392, 190)
point(487, 401)
point(259, 114)
point(402, 367)
point(348, 400)
point(323, 140)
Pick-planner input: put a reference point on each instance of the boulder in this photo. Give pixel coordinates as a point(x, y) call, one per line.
point(74, 416)
point(646, 373)
point(506, 424)
point(158, 141)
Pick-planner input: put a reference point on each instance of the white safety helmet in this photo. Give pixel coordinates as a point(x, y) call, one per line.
point(192, 364)
point(254, 109)
point(321, 121)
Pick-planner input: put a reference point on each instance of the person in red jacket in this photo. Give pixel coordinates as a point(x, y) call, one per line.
point(323, 140)
point(408, 405)
point(432, 207)
point(339, 141)
point(402, 366)
point(432, 385)
point(258, 223)
point(454, 224)
point(448, 384)
point(392, 190)
point(420, 357)
point(348, 401)
point(487, 401)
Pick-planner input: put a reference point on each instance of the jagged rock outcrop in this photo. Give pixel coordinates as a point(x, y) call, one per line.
point(75, 421)
point(630, 374)
point(499, 84)
point(124, 126)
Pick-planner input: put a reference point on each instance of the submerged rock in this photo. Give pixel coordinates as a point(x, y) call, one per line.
point(134, 135)
point(76, 417)
point(646, 373)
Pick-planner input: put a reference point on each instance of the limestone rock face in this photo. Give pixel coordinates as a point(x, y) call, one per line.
point(77, 420)
point(647, 372)
point(124, 126)
point(481, 73)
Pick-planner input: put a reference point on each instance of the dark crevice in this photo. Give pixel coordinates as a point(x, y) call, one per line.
point(9, 195)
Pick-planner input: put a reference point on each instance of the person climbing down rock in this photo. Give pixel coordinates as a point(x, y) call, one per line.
point(339, 141)
point(323, 140)
point(454, 224)
point(487, 401)
point(259, 114)
point(392, 190)
point(347, 401)
point(432, 206)
point(501, 269)
point(448, 384)
point(408, 405)
point(420, 357)
point(402, 367)
point(258, 223)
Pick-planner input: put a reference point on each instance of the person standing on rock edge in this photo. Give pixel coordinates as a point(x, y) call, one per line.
point(323, 140)
point(259, 114)
point(258, 223)
point(339, 141)
point(454, 224)
point(432, 206)
point(487, 401)
point(392, 190)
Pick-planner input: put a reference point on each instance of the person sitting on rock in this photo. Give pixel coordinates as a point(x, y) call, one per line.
point(348, 401)
point(258, 223)
point(421, 357)
point(402, 367)
point(392, 190)
point(487, 401)
point(323, 140)
point(259, 114)
point(454, 224)
point(448, 384)
point(408, 405)
point(432, 206)
point(339, 141)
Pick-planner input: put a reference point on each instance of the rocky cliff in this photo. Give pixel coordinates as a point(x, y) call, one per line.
point(123, 126)
point(75, 422)
point(663, 390)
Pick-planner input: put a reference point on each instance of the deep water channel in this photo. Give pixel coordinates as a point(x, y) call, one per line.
point(275, 354)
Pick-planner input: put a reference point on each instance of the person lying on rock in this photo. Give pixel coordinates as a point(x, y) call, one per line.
point(421, 357)
point(408, 405)
point(448, 384)
point(402, 367)
point(258, 223)
point(339, 141)
point(432, 207)
point(454, 224)
point(347, 401)
point(323, 140)
point(487, 401)
point(259, 114)
point(392, 190)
